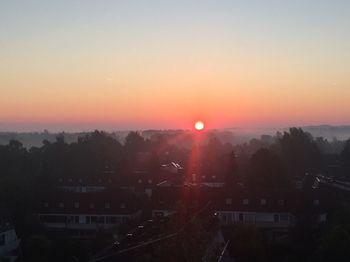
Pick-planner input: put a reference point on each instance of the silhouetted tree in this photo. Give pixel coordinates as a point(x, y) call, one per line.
point(134, 142)
point(246, 244)
point(37, 248)
point(154, 162)
point(266, 170)
point(232, 168)
point(13, 159)
point(300, 153)
point(345, 155)
point(335, 242)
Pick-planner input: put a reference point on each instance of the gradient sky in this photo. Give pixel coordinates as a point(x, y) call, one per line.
point(86, 64)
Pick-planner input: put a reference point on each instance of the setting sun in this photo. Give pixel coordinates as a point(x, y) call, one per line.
point(199, 125)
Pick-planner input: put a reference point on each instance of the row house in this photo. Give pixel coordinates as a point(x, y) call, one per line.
point(270, 209)
point(84, 184)
point(89, 211)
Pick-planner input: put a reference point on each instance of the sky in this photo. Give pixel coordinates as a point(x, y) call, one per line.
point(87, 64)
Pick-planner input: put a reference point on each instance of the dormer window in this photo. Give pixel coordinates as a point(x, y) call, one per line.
point(263, 201)
point(107, 205)
point(61, 205)
point(76, 204)
point(228, 201)
point(245, 201)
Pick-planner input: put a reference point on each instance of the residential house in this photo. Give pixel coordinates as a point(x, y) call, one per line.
point(9, 242)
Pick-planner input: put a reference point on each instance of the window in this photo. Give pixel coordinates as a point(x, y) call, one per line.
point(322, 218)
point(263, 201)
point(240, 217)
point(264, 217)
point(2, 239)
point(122, 205)
point(92, 205)
point(249, 218)
point(140, 181)
point(53, 219)
point(101, 220)
point(245, 201)
point(149, 181)
point(76, 204)
point(61, 205)
point(224, 218)
point(88, 219)
point(227, 217)
point(70, 219)
point(111, 220)
point(280, 202)
point(284, 217)
point(107, 205)
point(228, 201)
point(76, 219)
point(276, 218)
point(93, 219)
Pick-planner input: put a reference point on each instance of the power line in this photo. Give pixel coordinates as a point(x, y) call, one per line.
point(223, 251)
